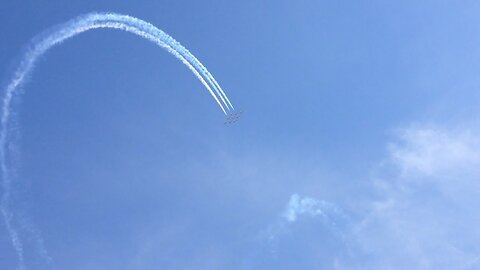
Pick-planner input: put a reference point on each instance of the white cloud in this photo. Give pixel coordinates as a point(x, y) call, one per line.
point(310, 206)
point(429, 151)
point(423, 215)
point(427, 217)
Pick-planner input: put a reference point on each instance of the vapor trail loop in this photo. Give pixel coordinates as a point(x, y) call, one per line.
point(54, 36)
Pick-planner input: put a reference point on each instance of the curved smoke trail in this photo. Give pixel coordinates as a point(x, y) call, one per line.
point(204, 70)
point(57, 35)
point(190, 57)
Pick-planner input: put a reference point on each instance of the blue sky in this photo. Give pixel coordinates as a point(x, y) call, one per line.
point(367, 110)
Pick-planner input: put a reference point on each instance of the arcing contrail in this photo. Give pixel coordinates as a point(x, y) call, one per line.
point(58, 34)
point(204, 71)
point(190, 57)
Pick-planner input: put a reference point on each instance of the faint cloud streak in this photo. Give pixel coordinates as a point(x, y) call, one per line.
point(307, 206)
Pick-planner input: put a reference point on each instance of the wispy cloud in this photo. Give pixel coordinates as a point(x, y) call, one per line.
point(429, 151)
point(424, 214)
point(308, 206)
point(427, 217)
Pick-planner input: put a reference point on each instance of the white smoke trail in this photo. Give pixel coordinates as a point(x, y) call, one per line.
point(57, 35)
point(332, 217)
point(156, 35)
point(190, 57)
point(26, 225)
point(16, 243)
point(204, 70)
point(313, 207)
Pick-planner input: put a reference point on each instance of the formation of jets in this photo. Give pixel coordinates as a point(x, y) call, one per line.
point(232, 117)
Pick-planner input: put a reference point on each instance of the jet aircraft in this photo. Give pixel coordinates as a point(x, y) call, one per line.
point(232, 118)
